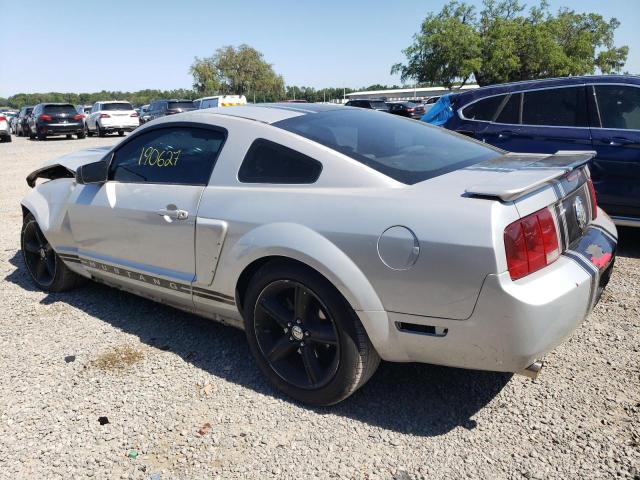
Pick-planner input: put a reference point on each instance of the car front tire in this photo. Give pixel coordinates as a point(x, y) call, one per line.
point(46, 269)
point(305, 336)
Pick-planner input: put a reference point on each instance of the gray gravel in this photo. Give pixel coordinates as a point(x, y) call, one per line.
point(160, 376)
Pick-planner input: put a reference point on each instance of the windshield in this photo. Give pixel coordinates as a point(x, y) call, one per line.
point(182, 105)
point(117, 106)
point(58, 109)
point(403, 149)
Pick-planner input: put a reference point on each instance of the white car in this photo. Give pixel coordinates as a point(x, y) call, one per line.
point(5, 133)
point(110, 117)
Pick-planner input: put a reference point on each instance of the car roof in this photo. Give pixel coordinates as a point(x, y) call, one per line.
point(264, 112)
point(490, 90)
point(113, 101)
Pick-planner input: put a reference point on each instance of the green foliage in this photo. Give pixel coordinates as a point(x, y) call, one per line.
point(141, 97)
point(240, 71)
point(503, 43)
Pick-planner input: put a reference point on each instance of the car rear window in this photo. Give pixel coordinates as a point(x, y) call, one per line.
point(58, 109)
point(403, 149)
point(182, 105)
point(378, 105)
point(117, 106)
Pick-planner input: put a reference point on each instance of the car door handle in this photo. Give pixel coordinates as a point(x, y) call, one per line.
point(617, 141)
point(174, 213)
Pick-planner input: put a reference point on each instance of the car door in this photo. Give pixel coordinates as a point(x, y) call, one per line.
point(138, 228)
point(91, 119)
point(615, 132)
point(542, 121)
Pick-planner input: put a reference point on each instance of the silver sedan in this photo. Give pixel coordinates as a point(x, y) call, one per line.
point(334, 236)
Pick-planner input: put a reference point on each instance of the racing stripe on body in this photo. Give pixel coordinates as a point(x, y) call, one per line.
point(588, 267)
point(150, 279)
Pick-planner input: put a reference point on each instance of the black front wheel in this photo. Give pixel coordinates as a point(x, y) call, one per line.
point(45, 267)
point(305, 336)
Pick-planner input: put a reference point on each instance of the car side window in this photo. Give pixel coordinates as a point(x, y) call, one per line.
point(269, 162)
point(562, 107)
point(173, 155)
point(484, 109)
point(619, 106)
point(510, 112)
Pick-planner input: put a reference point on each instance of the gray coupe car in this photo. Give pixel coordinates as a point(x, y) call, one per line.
point(333, 236)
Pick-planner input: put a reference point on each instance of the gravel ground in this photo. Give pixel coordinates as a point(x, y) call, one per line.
point(183, 398)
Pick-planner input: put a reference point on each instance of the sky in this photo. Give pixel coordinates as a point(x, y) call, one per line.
point(87, 46)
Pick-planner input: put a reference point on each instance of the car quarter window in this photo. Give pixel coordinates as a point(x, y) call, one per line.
point(269, 162)
point(484, 109)
point(510, 112)
point(619, 106)
point(562, 107)
point(173, 155)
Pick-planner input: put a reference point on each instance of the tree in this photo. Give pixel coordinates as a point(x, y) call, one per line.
point(503, 43)
point(240, 71)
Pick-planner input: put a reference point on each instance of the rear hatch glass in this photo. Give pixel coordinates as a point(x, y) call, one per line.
point(403, 149)
point(379, 105)
point(117, 106)
point(181, 106)
point(59, 109)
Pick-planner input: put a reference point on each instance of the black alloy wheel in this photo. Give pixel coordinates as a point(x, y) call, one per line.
point(39, 257)
point(296, 334)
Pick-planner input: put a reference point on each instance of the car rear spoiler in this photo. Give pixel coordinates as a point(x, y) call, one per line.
point(524, 173)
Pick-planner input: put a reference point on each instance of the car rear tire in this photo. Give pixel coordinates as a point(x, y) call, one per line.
point(99, 131)
point(81, 135)
point(305, 336)
point(41, 136)
point(120, 133)
point(46, 269)
point(69, 136)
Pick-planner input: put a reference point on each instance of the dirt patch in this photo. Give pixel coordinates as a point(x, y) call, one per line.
point(118, 358)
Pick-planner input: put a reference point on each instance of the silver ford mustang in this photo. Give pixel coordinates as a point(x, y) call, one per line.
point(334, 237)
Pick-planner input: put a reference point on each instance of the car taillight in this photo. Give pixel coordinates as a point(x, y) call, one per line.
point(105, 115)
point(45, 118)
point(79, 116)
point(531, 243)
point(134, 114)
point(594, 200)
point(3, 118)
point(411, 110)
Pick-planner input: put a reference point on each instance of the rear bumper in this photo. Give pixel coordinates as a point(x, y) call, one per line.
point(514, 323)
point(61, 128)
point(113, 126)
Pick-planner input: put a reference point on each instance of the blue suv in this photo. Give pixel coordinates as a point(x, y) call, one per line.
point(600, 113)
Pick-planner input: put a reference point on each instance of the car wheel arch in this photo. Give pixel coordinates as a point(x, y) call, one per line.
point(300, 244)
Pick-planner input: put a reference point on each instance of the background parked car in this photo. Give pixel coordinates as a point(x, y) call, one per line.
point(600, 113)
point(5, 132)
point(110, 117)
point(160, 108)
point(220, 101)
point(22, 123)
point(371, 103)
point(406, 109)
point(142, 112)
point(50, 119)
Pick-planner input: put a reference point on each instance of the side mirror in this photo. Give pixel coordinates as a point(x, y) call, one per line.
point(96, 172)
